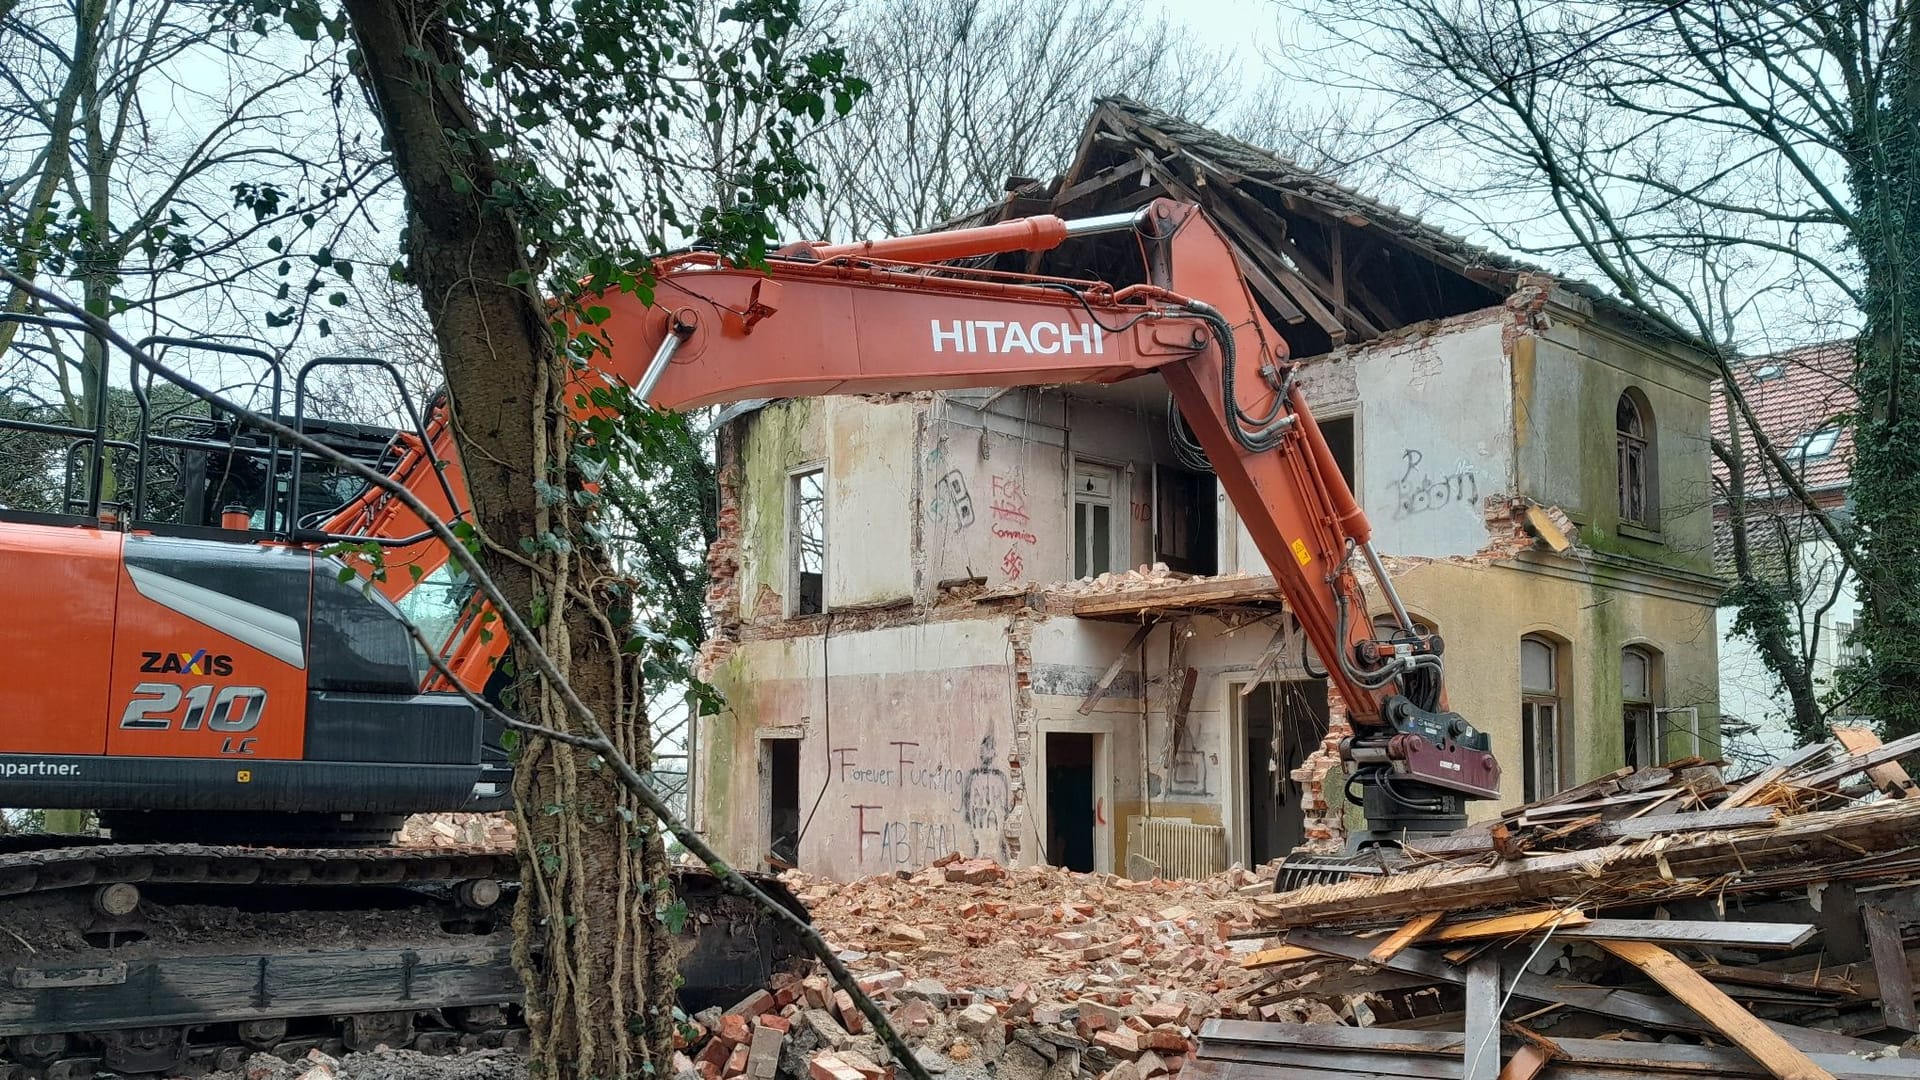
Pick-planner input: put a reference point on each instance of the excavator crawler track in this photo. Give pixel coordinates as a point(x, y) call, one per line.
point(172, 959)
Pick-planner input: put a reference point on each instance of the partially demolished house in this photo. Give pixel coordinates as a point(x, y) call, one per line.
point(1016, 624)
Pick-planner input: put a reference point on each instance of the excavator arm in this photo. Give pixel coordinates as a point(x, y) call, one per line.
point(900, 315)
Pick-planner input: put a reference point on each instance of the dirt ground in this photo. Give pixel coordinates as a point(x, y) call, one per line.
point(385, 1065)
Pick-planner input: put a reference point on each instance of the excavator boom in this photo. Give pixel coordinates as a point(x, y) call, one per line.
point(892, 315)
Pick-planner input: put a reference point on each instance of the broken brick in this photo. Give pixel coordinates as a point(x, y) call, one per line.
point(714, 1055)
point(828, 1066)
point(763, 1053)
point(817, 991)
point(1166, 1012)
point(976, 872)
point(1071, 941)
point(776, 1022)
point(885, 980)
point(733, 1030)
point(862, 1064)
point(755, 1004)
point(1123, 1042)
point(850, 1017)
point(1166, 1038)
point(736, 1062)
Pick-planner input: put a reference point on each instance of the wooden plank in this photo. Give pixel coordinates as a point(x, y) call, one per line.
point(1098, 182)
point(1526, 1063)
point(1709, 1060)
point(1811, 982)
point(1114, 669)
point(1268, 288)
point(1185, 594)
point(1890, 967)
point(1657, 1012)
point(1597, 787)
point(1890, 778)
point(1641, 873)
point(1854, 763)
point(1284, 954)
point(1405, 936)
point(1275, 648)
point(1759, 781)
point(1781, 1059)
point(1639, 828)
point(1611, 1054)
point(1527, 922)
point(1482, 1052)
point(1746, 935)
point(1177, 716)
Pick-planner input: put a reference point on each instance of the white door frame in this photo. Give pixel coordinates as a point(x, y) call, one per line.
point(1103, 823)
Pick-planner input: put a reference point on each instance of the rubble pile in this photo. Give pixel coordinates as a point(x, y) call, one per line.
point(1034, 972)
point(1652, 922)
point(493, 832)
point(1141, 577)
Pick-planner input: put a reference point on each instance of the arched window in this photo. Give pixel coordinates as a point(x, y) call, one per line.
point(1640, 707)
point(1633, 444)
point(1542, 719)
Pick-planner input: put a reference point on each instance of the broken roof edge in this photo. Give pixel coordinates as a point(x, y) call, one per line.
point(1498, 272)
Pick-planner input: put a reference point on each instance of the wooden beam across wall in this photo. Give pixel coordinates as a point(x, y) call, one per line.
point(1777, 1055)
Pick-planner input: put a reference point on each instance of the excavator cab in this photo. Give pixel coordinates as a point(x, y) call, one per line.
point(190, 658)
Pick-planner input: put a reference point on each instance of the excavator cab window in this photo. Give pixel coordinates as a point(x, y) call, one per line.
point(435, 603)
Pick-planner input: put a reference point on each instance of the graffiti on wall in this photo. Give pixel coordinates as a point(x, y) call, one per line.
point(987, 797)
point(951, 501)
point(978, 802)
point(1421, 488)
point(1010, 522)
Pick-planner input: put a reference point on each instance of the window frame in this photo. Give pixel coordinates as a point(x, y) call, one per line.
point(1546, 705)
point(1636, 468)
point(1119, 525)
point(1640, 715)
point(795, 547)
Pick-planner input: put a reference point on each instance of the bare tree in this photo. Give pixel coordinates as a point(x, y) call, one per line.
point(157, 169)
point(1738, 171)
point(967, 93)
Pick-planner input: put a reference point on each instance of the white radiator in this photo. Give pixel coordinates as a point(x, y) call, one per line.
point(1174, 848)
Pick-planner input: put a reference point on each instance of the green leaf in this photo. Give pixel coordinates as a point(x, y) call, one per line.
point(674, 916)
point(346, 574)
point(416, 571)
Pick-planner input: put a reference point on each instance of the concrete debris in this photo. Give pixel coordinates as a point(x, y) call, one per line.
point(1143, 577)
point(383, 1065)
point(493, 832)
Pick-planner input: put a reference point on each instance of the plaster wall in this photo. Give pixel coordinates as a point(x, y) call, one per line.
point(1433, 434)
point(1568, 375)
point(904, 754)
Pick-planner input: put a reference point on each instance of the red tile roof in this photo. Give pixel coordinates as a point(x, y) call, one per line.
point(1794, 394)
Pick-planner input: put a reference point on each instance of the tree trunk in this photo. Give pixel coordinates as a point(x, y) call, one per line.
point(596, 970)
point(1886, 466)
point(33, 229)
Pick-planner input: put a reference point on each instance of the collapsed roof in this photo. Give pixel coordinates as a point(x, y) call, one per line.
point(1330, 265)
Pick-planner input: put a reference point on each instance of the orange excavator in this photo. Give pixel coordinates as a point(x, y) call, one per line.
point(215, 681)
point(212, 671)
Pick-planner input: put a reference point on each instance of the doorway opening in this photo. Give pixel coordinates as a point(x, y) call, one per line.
point(1070, 800)
point(1280, 724)
point(780, 775)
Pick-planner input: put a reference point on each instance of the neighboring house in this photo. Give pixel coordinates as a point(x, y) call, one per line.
point(933, 635)
point(1798, 399)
